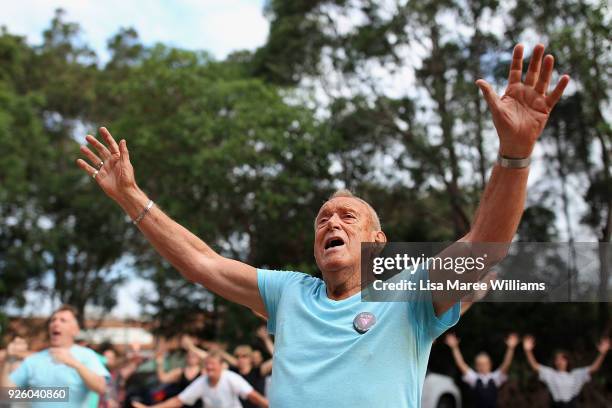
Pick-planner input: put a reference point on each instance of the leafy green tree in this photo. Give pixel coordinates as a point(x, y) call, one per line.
point(59, 240)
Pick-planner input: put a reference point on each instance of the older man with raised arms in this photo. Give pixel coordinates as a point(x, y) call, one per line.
point(331, 348)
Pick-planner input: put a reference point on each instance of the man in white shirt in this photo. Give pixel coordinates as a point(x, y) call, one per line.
point(219, 388)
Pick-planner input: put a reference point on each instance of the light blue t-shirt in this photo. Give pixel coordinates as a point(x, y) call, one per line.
point(40, 370)
point(320, 360)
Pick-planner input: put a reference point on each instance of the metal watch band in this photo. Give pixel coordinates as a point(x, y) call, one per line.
point(143, 213)
point(513, 163)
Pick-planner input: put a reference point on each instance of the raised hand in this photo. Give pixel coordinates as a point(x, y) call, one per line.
point(187, 342)
point(512, 340)
point(451, 340)
point(604, 345)
point(17, 348)
point(262, 332)
point(528, 343)
point(110, 167)
point(522, 112)
point(212, 346)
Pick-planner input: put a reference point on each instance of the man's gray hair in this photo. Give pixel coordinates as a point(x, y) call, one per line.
point(374, 220)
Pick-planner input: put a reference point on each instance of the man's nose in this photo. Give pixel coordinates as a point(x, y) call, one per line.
point(333, 222)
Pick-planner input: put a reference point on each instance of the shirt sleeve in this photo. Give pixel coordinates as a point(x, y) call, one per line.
point(240, 385)
point(546, 374)
point(93, 362)
point(423, 310)
point(21, 377)
point(499, 377)
point(580, 376)
point(470, 378)
point(193, 392)
point(271, 286)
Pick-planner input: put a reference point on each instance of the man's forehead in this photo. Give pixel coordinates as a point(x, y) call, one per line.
point(343, 202)
point(66, 314)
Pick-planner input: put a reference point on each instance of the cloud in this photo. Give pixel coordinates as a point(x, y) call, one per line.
point(217, 26)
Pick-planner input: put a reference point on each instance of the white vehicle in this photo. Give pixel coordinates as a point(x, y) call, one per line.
point(440, 391)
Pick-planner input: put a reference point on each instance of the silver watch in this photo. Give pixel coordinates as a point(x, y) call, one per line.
point(513, 163)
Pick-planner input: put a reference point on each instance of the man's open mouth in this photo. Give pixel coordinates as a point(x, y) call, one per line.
point(333, 242)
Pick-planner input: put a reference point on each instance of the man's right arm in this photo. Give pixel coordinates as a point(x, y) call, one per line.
point(195, 260)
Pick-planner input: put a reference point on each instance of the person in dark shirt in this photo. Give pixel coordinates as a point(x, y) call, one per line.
point(182, 377)
point(483, 382)
point(256, 376)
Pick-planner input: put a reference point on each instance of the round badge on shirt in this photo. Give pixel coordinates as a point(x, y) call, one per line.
point(364, 322)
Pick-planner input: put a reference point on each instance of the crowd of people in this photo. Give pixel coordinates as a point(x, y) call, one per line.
point(180, 372)
point(564, 382)
point(187, 372)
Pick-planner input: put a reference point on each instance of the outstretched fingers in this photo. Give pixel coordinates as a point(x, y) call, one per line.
point(516, 69)
point(93, 158)
point(110, 141)
point(104, 153)
point(545, 75)
point(534, 65)
point(553, 97)
point(489, 94)
point(125, 155)
point(86, 166)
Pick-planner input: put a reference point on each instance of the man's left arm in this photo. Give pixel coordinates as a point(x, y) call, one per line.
point(602, 348)
point(519, 117)
point(93, 381)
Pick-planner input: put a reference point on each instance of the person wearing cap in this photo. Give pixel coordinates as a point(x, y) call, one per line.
point(63, 364)
point(332, 349)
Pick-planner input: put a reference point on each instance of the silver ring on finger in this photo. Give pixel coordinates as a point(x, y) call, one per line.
point(100, 165)
point(95, 173)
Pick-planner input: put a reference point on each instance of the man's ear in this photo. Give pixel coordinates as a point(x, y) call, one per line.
point(380, 237)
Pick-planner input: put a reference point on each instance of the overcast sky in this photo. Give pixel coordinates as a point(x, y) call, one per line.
point(218, 26)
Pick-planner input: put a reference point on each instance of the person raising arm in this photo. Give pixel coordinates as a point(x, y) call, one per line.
point(511, 342)
point(564, 384)
point(519, 117)
point(483, 382)
point(218, 388)
point(194, 259)
point(309, 316)
point(602, 348)
point(528, 346)
point(452, 342)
